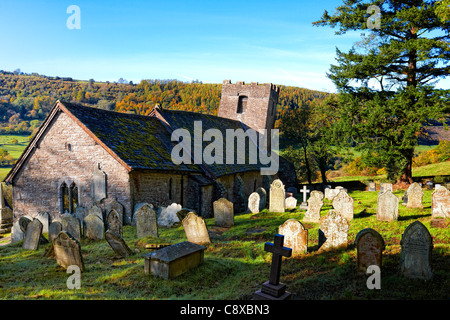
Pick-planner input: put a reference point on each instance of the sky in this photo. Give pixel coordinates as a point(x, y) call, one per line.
point(252, 41)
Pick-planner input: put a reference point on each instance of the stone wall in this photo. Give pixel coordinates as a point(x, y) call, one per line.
point(66, 153)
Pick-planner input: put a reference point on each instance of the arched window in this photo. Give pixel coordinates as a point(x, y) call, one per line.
point(64, 198)
point(242, 104)
point(73, 196)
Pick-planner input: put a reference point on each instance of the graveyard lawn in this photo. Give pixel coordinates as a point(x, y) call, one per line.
point(235, 263)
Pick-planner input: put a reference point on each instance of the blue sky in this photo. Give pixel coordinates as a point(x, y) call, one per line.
point(262, 41)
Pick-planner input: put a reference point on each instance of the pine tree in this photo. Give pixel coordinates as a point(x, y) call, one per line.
point(387, 81)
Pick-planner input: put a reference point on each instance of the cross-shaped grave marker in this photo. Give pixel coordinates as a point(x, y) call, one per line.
point(305, 190)
point(273, 289)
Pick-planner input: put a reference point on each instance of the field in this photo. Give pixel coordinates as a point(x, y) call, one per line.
point(236, 264)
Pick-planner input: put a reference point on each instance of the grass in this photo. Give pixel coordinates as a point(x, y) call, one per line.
point(235, 263)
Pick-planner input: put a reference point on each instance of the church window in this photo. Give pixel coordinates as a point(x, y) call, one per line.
point(64, 198)
point(242, 104)
point(73, 196)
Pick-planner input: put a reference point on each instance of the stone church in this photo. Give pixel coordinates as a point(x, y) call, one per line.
point(83, 156)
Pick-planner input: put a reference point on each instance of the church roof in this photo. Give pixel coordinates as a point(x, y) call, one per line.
point(144, 142)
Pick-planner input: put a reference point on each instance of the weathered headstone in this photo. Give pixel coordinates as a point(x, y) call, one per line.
point(440, 203)
point(168, 216)
point(114, 222)
point(45, 219)
point(72, 225)
point(113, 204)
point(146, 221)
point(93, 227)
point(295, 236)
point(277, 196)
point(254, 202)
point(117, 243)
point(80, 213)
point(174, 260)
point(415, 256)
point(223, 213)
point(67, 251)
point(343, 204)
point(98, 179)
point(262, 198)
point(385, 187)
point(331, 193)
point(32, 235)
point(273, 289)
point(372, 186)
point(387, 206)
point(54, 229)
point(195, 229)
point(95, 210)
point(333, 231)
point(429, 184)
point(290, 203)
point(415, 195)
point(315, 203)
point(369, 248)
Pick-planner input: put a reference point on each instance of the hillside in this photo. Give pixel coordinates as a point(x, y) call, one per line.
point(26, 99)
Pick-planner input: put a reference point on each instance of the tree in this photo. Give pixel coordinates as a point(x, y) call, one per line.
point(386, 82)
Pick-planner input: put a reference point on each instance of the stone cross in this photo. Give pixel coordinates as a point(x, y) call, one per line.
point(278, 252)
point(304, 191)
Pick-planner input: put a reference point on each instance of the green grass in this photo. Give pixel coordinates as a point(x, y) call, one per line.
point(235, 263)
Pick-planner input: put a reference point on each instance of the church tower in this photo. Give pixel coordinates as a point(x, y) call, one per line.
point(253, 104)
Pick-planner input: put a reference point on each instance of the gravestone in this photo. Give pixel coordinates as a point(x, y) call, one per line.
point(95, 210)
point(385, 187)
point(405, 198)
point(369, 248)
point(98, 186)
point(331, 193)
point(440, 203)
point(172, 261)
point(113, 204)
point(32, 235)
point(277, 196)
point(333, 231)
point(315, 203)
point(415, 256)
point(254, 202)
point(343, 204)
point(195, 229)
point(45, 219)
point(387, 206)
point(262, 198)
point(72, 225)
point(273, 289)
point(114, 222)
point(54, 229)
point(117, 244)
point(290, 203)
point(67, 251)
point(146, 222)
point(295, 236)
point(23, 223)
point(93, 227)
point(223, 213)
point(372, 186)
point(429, 184)
point(305, 191)
point(80, 213)
point(415, 195)
point(168, 216)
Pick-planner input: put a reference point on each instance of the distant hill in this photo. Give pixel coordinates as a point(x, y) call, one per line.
point(26, 99)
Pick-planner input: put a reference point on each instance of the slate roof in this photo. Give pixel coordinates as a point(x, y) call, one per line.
point(144, 142)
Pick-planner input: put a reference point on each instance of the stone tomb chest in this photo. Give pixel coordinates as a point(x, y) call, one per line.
point(174, 260)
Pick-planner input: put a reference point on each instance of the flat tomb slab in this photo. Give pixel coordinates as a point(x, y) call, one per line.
point(174, 260)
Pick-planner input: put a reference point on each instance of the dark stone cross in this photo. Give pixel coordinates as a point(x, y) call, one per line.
point(278, 252)
point(273, 289)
